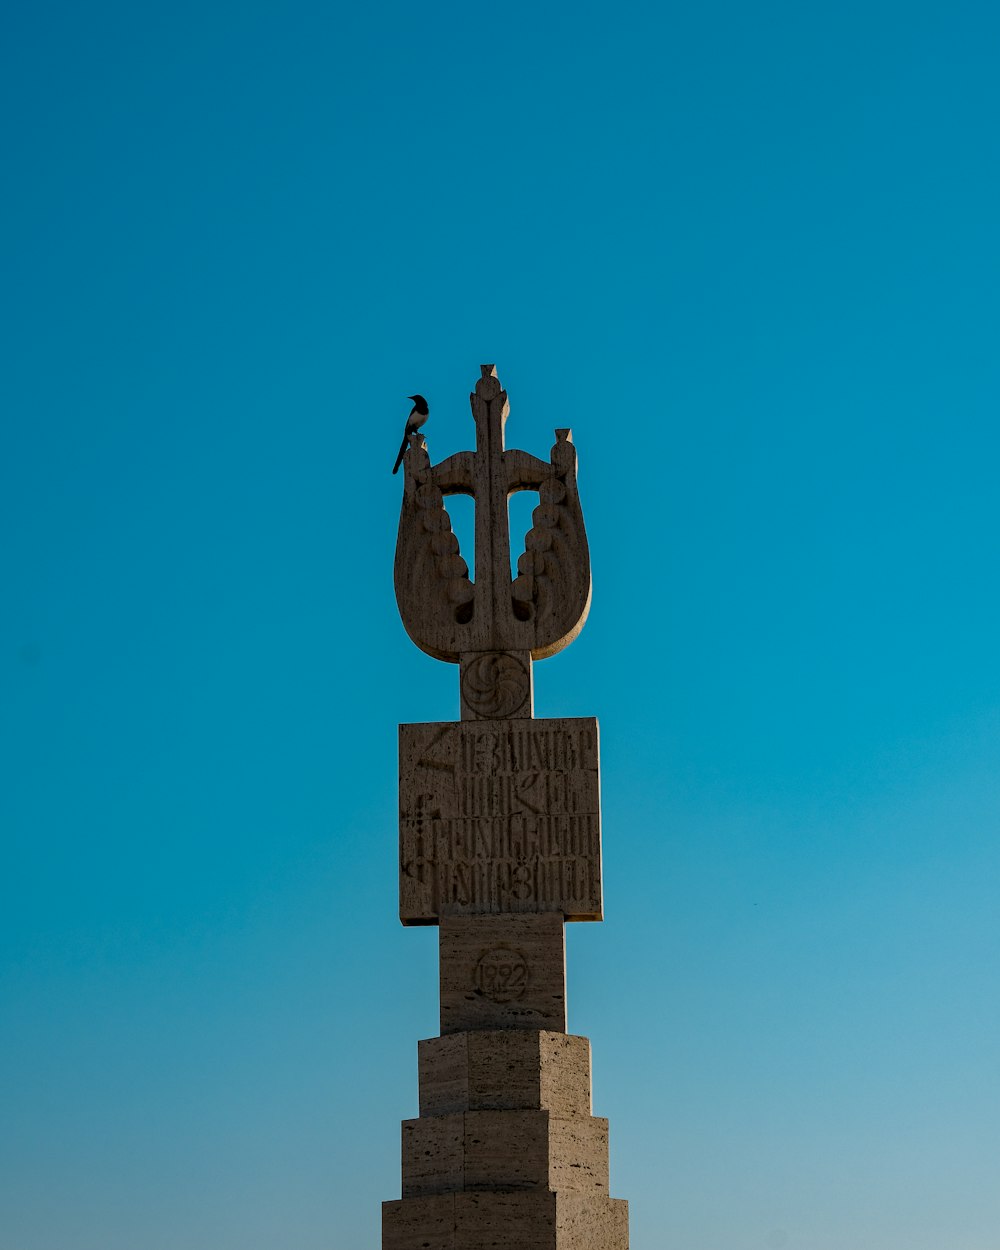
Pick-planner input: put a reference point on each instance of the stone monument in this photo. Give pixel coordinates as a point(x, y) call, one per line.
point(499, 845)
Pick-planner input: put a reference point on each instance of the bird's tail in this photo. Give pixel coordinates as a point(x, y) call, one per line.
point(402, 450)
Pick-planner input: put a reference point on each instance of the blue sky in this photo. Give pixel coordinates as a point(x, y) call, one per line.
point(750, 255)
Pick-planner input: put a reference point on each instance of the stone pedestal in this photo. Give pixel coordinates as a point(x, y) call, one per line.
point(505, 1152)
point(499, 841)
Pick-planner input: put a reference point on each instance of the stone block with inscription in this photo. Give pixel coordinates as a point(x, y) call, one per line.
point(499, 845)
point(502, 972)
point(499, 816)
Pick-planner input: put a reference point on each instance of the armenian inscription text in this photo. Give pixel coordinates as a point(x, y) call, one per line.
point(499, 816)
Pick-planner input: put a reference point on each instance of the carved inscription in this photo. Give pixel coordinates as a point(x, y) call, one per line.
point(501, 975)
point(499, 816)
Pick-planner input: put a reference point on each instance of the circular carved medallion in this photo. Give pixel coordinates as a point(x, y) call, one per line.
point(495, 684)
point(501, 975)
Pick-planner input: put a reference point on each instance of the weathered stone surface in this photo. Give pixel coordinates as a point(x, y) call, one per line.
point(531, 1220)
point(503, 972)
point(591, 1223)
point(525, 1221)
point(507, 1150)
point(420, 1224)
point(504, 1150)
point(500, 816)
point(443, 1073)
point(565, 1076)
point(505, 1070)
point(535, 1150)
point(433, 1151)
point(578, 1156)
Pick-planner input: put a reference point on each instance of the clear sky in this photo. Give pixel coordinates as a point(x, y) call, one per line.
point(750, 254)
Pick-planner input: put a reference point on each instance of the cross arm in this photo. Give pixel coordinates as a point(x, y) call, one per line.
point(454, 475)
point(524, 471)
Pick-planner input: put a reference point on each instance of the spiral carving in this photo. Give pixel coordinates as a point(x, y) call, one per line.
point(495, 685)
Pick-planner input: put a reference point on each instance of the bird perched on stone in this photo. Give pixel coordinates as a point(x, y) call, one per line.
point(418, 415)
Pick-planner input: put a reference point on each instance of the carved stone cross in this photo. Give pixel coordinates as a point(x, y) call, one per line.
point(492, 627)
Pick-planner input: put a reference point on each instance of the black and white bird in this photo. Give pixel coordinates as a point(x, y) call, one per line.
point(418, 415)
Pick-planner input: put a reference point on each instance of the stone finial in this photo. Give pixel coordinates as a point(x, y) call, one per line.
point(450, 615)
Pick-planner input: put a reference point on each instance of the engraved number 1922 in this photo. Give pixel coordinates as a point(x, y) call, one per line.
point(501, 975)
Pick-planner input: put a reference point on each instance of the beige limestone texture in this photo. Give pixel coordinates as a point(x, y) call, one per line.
point(443, 1073)
point(505, 1070)
point(504, 1150)
point(499, 816)
point(419, 1223)
point(565, 1074)
point(506, 1221)
point(536, 1150)
point(503, 972)
point(433, 1155)
point(586, 1222)
point(511, 1221)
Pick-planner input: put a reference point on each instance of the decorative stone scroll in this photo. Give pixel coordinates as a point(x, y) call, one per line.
point(499, 816)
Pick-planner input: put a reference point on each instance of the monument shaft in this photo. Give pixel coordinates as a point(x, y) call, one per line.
point(499, 845)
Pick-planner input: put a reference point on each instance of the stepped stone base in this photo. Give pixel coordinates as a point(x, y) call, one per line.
point(505, 1221)
point(508, 1070)
point(505, 1154)
point(504, 1150)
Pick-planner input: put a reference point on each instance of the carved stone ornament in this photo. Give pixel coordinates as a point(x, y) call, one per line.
point(499, 816)
point(543, 609)
point(495, 685)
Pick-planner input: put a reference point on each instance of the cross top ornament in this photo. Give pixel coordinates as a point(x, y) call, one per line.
point(491, 626)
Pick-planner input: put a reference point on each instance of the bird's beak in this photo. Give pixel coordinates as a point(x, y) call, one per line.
point(413, 397)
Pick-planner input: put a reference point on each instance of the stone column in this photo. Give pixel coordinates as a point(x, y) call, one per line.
point(500, 845)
